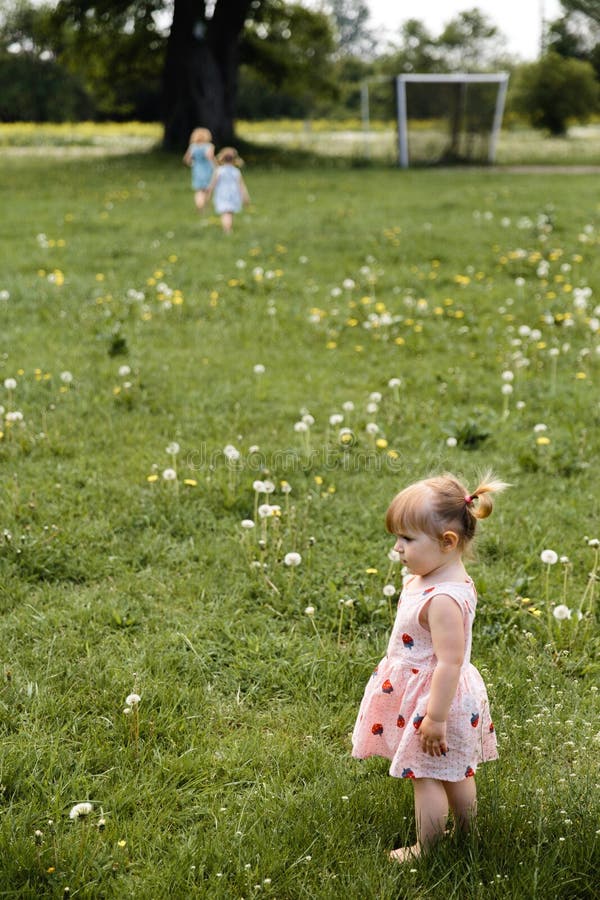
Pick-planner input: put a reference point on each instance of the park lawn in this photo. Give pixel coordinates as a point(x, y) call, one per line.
point(129, 323)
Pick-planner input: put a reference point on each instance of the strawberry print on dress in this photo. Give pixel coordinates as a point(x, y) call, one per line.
point(398, 693)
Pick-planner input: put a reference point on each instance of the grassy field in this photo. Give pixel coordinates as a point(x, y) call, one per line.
point(152, 371)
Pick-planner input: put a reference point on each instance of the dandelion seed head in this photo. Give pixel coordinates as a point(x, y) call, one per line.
point(549, 557)
point(248, 523)
point(10, 384)
point(80, 810)
point(169, 475)
point(292, 559)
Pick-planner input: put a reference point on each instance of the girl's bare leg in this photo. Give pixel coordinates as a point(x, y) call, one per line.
point(462, 796)
point(200, 200)
point(431, 815)
point(227, 222)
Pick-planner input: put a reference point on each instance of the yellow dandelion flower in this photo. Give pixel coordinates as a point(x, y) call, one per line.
point(331, 489)
point(448, 301)
point(159, 273)
point(116, 391)
point(352, 323)
point(567, 288)
point(99, 276)
point(550, 295)
point(541, 345)
point(359, 348)
point(146, 316)
point(438, 311)
point(535, 612)
point(525, 600)
point(581, 376)
point(371, 571)
point(381, 443)
point(418, 328)
point(393, 454)
point(173, 258)
point(400, 341)
point(233, 282)
point(150, 282)
point(542, 440)
point(318, 480)
point(1, 435)
point(331, 345)
point(379, 307)
point(365, 300)
point(345, 438)
point(191, 482)
point(122, 843)
point(152, 478)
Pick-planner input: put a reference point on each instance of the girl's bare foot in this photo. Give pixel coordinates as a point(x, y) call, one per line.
point(405, 854)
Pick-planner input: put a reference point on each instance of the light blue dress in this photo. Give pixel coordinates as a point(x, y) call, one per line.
point(202, 166)
point(227, 192)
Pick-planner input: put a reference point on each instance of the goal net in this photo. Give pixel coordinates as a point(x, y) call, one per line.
point(449, 118)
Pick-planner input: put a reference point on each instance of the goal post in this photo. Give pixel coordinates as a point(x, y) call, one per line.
point(462, 121)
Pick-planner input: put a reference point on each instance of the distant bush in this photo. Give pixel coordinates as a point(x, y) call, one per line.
point(36, 90)
point(553, 90)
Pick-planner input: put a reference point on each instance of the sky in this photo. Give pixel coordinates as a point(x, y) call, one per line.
point(518, 20)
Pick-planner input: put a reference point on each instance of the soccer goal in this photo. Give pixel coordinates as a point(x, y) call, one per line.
point(453, 118)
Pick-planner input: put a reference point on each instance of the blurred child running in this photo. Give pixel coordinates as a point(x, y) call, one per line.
point(228, 187)
point(200, 156)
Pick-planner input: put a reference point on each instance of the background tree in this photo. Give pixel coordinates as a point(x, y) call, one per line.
point(352, 33)
point(576, 36)
point(287, 61)
point(589, 8)
point(554, 90)
point(471, 43)
point(34, 86)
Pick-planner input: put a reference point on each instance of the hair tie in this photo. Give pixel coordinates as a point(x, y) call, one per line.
point(468, 499)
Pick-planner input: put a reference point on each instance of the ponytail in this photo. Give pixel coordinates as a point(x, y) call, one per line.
point(488, 485)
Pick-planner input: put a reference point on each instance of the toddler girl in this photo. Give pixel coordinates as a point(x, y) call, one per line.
point(426, 707)
point(228, 187)
point(200, 156)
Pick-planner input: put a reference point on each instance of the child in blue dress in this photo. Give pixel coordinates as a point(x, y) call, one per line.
point(228, 187)
point(200, 156)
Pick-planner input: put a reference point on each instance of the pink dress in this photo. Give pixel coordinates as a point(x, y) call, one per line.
point(395, 699)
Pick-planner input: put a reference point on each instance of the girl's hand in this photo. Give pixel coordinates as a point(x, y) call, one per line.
point(432, 735)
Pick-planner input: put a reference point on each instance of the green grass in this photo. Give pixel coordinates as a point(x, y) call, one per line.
point(235, 779)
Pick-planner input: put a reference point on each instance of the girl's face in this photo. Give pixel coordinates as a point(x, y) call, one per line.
point(420, 553)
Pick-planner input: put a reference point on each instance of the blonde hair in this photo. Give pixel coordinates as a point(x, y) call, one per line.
point(229, 155)
point(443, 503)
point(200, 136)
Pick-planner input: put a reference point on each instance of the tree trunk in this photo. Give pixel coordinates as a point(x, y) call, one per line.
point(200, 76)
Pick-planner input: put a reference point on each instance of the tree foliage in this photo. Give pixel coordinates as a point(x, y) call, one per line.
point(554, 90)
point(589, 8)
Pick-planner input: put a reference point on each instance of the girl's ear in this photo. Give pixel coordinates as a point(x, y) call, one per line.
point(449, 540)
